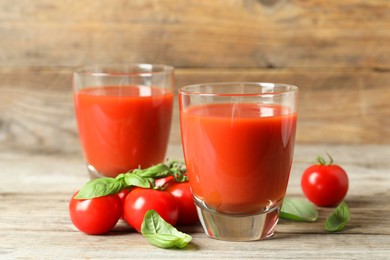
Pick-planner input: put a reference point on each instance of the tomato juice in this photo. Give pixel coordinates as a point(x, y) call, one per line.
point(238, 156)
point(123, 127)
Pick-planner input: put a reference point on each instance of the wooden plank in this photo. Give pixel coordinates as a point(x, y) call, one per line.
point(335, 106)
point(234, 33)
point(367, 166)
point(368, 173)
point(74, 245)
point(48, 212)
point(36, 188)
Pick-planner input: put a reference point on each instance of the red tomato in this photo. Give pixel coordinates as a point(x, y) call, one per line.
point(95, 216)
point(325, 184)
point(122, 195)
point(140, 200)
point(187, 209)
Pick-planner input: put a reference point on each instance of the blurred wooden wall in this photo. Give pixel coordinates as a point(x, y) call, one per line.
point(337, 52)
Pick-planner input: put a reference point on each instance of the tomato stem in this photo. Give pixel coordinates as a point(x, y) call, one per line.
point(321, 161)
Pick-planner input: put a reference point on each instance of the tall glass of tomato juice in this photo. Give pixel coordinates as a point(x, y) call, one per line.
point(238, 142)
point(123, 115)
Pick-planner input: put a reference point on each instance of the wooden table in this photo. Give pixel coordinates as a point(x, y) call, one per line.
point(34, 222)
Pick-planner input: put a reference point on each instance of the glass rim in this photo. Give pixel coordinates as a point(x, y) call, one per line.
point(123, 70)
point(194, 89)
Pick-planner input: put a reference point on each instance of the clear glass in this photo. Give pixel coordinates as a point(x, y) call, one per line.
point(123, 115)
point(238, 143)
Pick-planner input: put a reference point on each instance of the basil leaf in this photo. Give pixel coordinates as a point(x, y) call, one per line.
point(99, 188)
point(156, 171)
point(338, 219)
point(161, 234)
point(133, 179)
point(298, 210)
point(121, 177)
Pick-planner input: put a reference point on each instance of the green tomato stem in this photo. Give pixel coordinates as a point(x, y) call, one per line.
point(321, 161)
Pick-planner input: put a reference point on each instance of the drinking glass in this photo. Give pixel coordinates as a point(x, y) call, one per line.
point(238, 142)
point(123, 115)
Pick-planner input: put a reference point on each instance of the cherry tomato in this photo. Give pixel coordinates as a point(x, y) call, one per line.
point(122, 195)
point(325, 184)
point(187, 209)
point(95, 216)
point(140, 200)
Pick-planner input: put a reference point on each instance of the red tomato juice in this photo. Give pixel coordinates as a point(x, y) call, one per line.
point(123, 127)
point(238, 156)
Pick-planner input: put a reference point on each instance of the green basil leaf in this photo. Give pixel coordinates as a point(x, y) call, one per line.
point(298, 210)
point(338, 219)
point(99, 187)
point(161, 234)
point(156, 171)
point(121, 177)
point(133, 179)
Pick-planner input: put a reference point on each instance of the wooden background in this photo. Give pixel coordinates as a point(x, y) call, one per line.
point(337, 52)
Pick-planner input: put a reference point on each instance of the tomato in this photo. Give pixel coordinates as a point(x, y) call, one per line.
point(325, 184)
point(95, 216)
point(140, 200)
point(187, 209)
point(122, 195)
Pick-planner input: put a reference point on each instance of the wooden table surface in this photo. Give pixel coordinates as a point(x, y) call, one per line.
point(34, 221)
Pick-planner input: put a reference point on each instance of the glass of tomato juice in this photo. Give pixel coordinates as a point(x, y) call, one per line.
point(123, 115)
point(238, 143)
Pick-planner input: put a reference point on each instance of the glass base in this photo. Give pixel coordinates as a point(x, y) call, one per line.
point(238, 227)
